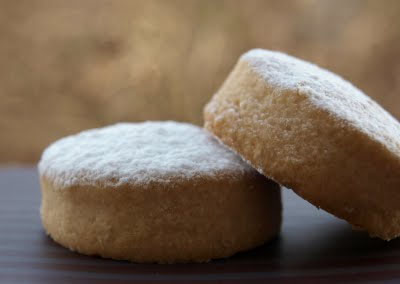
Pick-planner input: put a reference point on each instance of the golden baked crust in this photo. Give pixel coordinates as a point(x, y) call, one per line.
point(192, 222)
point(314, 133)
point(165, 220)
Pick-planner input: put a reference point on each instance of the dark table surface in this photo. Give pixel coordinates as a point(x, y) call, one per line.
point(314, 246)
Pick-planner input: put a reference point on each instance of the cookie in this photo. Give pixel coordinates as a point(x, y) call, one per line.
point(161, 192)
point(310, 130)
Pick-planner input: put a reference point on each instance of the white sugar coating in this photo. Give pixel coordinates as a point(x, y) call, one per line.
point(138, 154)
point(327, 91)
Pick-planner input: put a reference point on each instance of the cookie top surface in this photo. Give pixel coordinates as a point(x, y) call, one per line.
point(327, 91)
point(138, 154)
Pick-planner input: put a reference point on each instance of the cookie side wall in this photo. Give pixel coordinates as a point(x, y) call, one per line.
point(344, 172)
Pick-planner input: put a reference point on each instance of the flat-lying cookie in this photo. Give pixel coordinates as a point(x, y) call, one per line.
point(154, 192)
point(314, 132)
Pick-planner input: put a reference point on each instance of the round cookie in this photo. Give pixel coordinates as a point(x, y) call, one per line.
point(314, 132)
point(161, 192)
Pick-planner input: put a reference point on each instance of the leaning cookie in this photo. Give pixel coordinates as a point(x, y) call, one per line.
point(314, 132)
point(160, 192)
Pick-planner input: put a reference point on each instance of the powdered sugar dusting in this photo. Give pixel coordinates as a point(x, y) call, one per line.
point(140, 154)
point(327, 91)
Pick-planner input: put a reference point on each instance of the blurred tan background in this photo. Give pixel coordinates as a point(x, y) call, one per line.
point(72, 65)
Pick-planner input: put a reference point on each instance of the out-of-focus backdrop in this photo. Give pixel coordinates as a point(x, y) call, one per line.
point(71, 65)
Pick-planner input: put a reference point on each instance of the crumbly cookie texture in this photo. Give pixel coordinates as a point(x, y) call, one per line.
point(314, 132)
point(162, 192)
